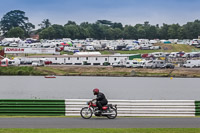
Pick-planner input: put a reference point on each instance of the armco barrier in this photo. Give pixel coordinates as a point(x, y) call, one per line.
point(32, 107)
point(141, 107)
point(72, 107)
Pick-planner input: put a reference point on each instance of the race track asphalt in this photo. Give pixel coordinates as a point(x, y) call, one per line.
point(63, 122)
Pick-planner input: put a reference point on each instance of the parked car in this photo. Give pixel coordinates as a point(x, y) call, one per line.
point(169, 65)
point(48, 62)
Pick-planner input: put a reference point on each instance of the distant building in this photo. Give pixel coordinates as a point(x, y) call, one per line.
point(35, 36)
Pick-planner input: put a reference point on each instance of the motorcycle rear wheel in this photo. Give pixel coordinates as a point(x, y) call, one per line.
point(86, 113)
point(114, 115)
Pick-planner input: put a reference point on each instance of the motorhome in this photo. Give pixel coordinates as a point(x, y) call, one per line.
point(155, 64)
point(192, 63)
point(149, 64)
point(158, 64)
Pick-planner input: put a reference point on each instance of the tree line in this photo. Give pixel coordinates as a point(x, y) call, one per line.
point(16, 24)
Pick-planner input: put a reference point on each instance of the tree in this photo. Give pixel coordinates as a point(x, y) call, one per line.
point(15, 18)
point(59, 31)
point(72, 31)
point(117, 25)
point(45, 24)
point(164, 31)
point(15, 32)
point(130, 32)
point(118, 34)
point(70, 23)
point(152, 32)
point(173, 31)
point(48, 33)
point(141, 33)
point(104, 22)
point(109, 34)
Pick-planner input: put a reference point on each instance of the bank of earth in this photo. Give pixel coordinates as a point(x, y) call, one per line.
point(99, 71)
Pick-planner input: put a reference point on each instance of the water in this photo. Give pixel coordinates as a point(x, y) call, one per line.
point(37, 87)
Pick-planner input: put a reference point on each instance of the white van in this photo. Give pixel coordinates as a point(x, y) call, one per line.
point(38, 63)
point(173, 54)
point(134, 64)
point(192, 63)
point(89, 48)
point(158, 54)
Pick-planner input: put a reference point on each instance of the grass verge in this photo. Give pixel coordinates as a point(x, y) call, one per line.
point(105, 130)
point(99, 71)
point(14, 70)
point(164, 48)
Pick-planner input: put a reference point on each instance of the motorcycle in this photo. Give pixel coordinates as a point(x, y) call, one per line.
point(109, 111)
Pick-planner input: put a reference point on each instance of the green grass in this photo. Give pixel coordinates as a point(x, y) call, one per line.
point(105, 73)
point(105, 130)
point(164, 48)
point(50, 70)
point(68, 53)
point(152, 74)
point(1, 47)
point(14, 70)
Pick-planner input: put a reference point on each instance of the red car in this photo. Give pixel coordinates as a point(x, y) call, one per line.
point(48, 62)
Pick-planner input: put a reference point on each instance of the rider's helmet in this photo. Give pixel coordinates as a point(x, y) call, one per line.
point(96, 91)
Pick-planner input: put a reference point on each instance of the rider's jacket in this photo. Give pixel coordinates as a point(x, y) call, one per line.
point(101, 97)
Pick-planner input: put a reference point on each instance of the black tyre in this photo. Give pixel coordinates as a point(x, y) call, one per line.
point(114, 113)
point(86, 113)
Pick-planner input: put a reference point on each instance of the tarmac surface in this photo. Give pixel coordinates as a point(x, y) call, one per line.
point(99, 123)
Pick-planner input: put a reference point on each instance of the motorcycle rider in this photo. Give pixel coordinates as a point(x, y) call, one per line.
point(101, 99)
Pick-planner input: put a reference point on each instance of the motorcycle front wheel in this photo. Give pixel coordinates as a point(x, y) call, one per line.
point(113, 115)
point(86, 113)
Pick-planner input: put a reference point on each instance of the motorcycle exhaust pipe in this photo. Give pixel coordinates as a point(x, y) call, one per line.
point(108, 113)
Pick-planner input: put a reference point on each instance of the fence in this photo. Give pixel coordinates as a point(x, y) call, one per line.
point(72, 107)
point(142, 107)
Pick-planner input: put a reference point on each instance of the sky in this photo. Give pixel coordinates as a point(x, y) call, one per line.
point(128, 12)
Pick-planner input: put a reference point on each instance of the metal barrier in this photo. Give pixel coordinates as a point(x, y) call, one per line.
point(140, 107)
point(72, 107)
